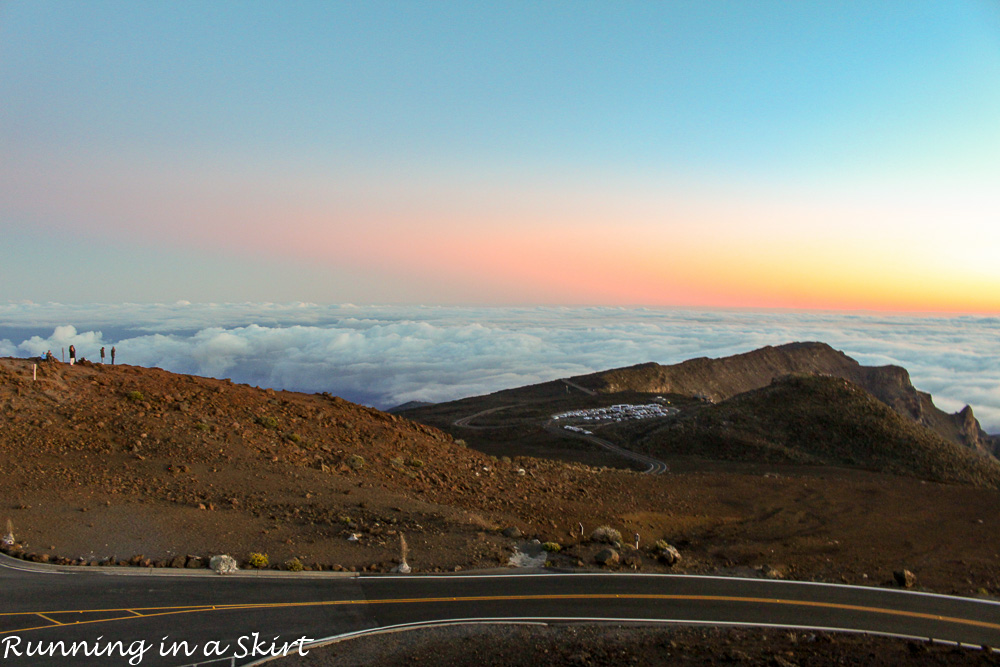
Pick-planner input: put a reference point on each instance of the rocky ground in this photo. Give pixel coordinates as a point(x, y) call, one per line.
point(585, 645)
point(121, 463)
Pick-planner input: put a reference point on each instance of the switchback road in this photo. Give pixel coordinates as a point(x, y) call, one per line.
point(157, 609)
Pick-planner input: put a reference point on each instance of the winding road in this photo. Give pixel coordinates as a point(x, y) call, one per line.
point(653, 466)
point(98, 606)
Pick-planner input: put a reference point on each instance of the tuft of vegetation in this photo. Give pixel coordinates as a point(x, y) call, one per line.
point(606, 534)
point(294, 565)
point(415, 463)
point(267, 421)
point(201, 426)
point(554, 547)
point(135, 395)
point(295, 437)
point(355, 462)
point(258, 560)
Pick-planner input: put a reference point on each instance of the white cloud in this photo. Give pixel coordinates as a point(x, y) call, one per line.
point(385, 355)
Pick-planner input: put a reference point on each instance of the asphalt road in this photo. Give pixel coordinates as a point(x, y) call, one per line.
point(653, 466)
point(99, 606)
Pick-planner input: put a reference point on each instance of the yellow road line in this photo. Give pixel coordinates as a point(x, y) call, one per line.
point(50, 620)
point(167, 611)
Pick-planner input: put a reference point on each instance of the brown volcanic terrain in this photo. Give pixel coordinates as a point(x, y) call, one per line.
point(102, 461)
point(719, 379)
point(813, 420)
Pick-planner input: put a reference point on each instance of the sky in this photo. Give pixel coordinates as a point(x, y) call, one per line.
point(709, 154)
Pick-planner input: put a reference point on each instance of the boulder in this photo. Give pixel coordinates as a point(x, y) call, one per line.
point(513, 532)
point(607, 557)
point(904, 578)
point(668, 554)
point(223, 564)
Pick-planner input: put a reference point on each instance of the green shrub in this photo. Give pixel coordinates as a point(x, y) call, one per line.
point(258, 560)
point(554, 547)
point(135, 395)
point(201, 426)
point(295, 437)
point(355, 462)
point(267, 421)
point(294, 565)
point(415, 463)
point(606, 534)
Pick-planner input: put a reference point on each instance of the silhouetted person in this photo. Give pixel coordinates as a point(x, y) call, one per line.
point(72, 355)
point(112, 355)
point(102, 355)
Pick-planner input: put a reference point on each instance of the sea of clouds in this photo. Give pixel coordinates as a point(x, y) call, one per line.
point(387, 355)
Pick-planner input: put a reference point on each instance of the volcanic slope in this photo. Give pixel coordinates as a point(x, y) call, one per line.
point(812, 420)
point(847, 414)
point(719, 379)
point(121, 463)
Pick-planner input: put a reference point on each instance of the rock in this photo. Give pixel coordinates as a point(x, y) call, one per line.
point(668, 554)
point(513, 532)
point(194, 562)
point(607, 557)
point(223, 564)
point(904, 578)
point(178, 561)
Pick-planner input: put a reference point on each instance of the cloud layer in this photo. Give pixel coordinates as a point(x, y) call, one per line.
point(384, 356)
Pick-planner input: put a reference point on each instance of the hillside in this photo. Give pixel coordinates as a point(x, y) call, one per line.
point(719, 379)
point(106, 464)
point(812, 420)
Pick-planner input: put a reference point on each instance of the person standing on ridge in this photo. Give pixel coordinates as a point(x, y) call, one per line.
point(112, 355)
point(102, 355)
point(72, 355)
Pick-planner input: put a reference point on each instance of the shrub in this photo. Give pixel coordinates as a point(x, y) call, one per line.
point(135, 395)
point(355, 462)
point(415, 463)
point(267, 421)
point(461, 443)
point(258, 560)
point(606, 534)
point(201, 426)
point(295, 437)
point(554, 547)
point(294, 565)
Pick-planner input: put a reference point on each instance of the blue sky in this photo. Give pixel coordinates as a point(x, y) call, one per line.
point(277, 147)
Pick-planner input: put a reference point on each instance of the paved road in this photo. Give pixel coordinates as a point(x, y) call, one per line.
point(84, 605)
point(653, 466)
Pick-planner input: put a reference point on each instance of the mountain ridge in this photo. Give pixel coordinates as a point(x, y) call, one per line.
point(722, 378)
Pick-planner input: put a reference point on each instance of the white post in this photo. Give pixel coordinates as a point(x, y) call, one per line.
point(34, 372)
